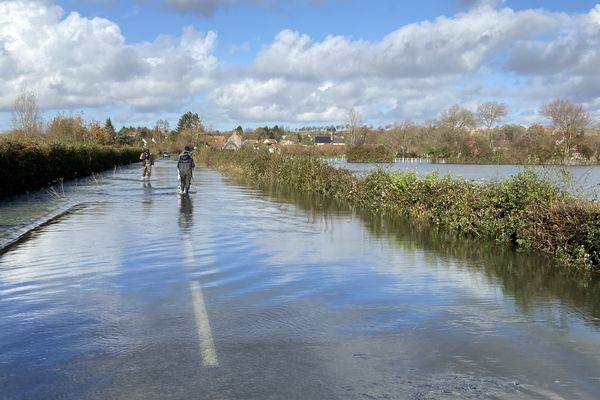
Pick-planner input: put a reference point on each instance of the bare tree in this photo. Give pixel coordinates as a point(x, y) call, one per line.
point(400, 137)
point(491, 113)
point(568, 119)
point(457, 117)
point(26, 116)
point(161, 128)
point(357, 133)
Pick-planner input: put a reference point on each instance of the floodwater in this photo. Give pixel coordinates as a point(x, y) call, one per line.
point(235, 292)
point(580, 180)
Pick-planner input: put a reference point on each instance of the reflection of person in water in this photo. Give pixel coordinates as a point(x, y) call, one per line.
point(186, 209)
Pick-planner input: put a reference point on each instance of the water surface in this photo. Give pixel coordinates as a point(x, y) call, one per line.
point(236, 292)
point(582, 180)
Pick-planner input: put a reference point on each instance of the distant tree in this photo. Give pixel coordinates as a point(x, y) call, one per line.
point(26, 116)
point(276, 133)
point(98, 134)
point(143, 132)
point(123, 136)
point(108, 125)
point(401, 137)
point(491, 113)
point(239, 129)
point(261, 133)
point(268, 131)
point(189, 129)
point(68, 129)
point(357, 133)
point(568, 119)
point(457, 117)
point(161, 129)
point(188, 121)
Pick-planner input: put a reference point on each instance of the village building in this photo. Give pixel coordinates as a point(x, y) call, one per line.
point(216, 141)
point(322, 140)
point(234, 142)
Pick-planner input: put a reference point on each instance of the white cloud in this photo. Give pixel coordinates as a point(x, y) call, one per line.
point(564, 66)
point(75, 62)
point(445, 46)
point(489, 52)
point(422, 68)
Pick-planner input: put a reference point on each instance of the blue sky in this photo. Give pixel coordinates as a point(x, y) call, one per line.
point(296, 62)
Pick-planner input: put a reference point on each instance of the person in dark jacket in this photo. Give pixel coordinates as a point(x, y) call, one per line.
point(185, 165)
point(147, 161)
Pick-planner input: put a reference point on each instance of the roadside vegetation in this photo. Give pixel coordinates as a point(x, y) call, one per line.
point(34, 155)
point(524, 211)
point(27, 163)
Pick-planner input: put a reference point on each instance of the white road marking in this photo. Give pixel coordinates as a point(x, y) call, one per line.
point(207, 346)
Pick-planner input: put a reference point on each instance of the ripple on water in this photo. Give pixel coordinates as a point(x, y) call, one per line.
point(291, 288)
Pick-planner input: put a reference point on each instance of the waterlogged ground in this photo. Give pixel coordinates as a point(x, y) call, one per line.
point(242, 293)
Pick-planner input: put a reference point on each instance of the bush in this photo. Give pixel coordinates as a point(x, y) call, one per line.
point(362, 154)
point(570, 231)
point(26, 165)
point(523, 211)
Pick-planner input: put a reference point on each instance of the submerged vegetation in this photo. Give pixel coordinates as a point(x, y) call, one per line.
point(523, 211)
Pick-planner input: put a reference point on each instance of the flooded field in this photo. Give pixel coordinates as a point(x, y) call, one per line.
point(236, 292)
point(581, 180)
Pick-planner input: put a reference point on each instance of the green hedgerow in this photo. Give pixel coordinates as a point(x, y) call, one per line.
point(524, 210)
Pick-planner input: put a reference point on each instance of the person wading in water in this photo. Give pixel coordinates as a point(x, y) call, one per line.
point(147, 161)
point(185, 165)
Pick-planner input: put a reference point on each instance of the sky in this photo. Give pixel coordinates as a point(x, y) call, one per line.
point(296, 62)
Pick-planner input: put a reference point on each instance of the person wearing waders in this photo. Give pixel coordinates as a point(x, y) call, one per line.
point(185, 166)
point(147, 161)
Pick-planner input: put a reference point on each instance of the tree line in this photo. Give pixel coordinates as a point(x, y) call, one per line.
point(460, 135)
point(457, 135)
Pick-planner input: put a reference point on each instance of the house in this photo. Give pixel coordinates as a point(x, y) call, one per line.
point(230, 145)
point(132, 133)
point(288, 140)
point(321, 140)
point(216, 141)
point(234, 142)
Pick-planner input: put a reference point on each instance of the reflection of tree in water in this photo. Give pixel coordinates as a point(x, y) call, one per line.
point(530, 279)
point(186, 210)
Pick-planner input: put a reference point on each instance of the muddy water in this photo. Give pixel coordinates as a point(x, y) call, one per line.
point(238, 292)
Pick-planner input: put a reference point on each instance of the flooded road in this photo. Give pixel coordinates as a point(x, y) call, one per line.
point(241, 293)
